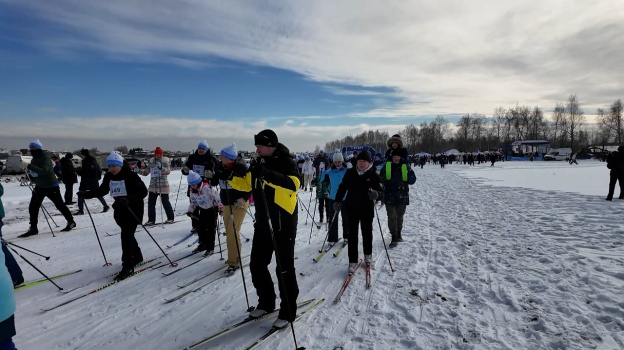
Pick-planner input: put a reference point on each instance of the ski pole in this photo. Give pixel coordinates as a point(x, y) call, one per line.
point(35, 267)
point(240, 260)
point(216, 221)
point(178, 195)
point(329, 228)
point(313, 213)
point(382, 237)
point(306, 209)
point(152, 237)
point(106, 263)
point(309, 202)
point(253, 218)
point(280, 276)
point(162, 218)
point(28, 250)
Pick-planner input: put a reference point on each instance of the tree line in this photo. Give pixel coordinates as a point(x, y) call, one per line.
point(566, 127)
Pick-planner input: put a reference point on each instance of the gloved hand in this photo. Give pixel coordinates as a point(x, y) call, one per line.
point(120, 203)
point(240, 203)
point(80, 194)
point(158, 165)
point(337, 206)
point(208, 174)
point(224, 174)
point(189, 214)
point(87, 194)
point(185, 171)
point(373, 195)
point(257, 169)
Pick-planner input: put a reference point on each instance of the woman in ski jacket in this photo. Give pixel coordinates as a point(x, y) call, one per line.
point(333, 177)
point(308, 171)
point(158, 169)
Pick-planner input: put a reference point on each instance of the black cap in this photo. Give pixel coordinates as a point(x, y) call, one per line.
point(266, 137)
point(69, 155)
point(396, 152)
point(364, 155)
point(84, 152)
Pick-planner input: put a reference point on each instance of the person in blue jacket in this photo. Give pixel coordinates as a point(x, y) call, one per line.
point(11, 264)
point(333, 176)
point(396, 175)
point(7, 308)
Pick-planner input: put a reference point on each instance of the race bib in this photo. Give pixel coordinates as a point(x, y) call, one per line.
point(202, 201)
point(199, 169)
point(321, 166)
point(155, 172)
point(118, 188)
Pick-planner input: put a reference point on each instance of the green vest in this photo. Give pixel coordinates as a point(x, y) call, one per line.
point(389, 171)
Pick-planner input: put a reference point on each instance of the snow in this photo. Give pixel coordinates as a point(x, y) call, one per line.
point(522, 255)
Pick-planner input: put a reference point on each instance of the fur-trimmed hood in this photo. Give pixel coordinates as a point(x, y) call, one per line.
point(395, 138)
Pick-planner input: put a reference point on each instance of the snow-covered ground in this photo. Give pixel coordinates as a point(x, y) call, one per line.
point(517, 256)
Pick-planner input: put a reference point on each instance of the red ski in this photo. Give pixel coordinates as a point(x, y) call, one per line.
point(347, 281)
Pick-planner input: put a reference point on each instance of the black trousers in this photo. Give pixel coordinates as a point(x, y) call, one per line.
point(261, 256)
point(366, 224)
point(206, 226)
point(324, 207)
point(333, 225)
point(613, 179)
point(69, 192)
point(54, 194)
point(130, 251)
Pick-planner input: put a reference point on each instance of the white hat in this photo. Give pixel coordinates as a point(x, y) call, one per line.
point(338, 157)
point(193, 178)
point(114, 159)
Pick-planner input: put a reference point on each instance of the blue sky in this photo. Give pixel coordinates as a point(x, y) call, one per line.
point(158, 73)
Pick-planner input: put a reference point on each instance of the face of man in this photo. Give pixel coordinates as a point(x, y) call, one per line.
point(264, 151)
point(201, 151)
point(396, 159)
point(362, 164)
point(115, 169)
point(225, 160)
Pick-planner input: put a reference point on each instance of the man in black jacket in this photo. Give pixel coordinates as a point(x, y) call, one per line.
point(90, 175)
point(205, 164)
point(274, 182)
point(68, 174)
point(616, 164)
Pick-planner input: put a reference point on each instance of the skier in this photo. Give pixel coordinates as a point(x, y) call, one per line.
point(205, 164)
point(274, 186)
point(46, 185)
point(158, 169)
point(321, 163)
point(573, 159)
point(235, 186)
point(204, 203)
point(308, 172)
point(362, 187)
point(128, 191)
point(322, 195)
point(395, 142)
point(615, 162)
point(333, 178)
point(7, 307)
point(69, 177)
point(396, 175)
point(90, 175)
point(14, 270)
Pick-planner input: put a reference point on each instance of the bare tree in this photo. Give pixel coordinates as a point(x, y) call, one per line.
point(574, 118)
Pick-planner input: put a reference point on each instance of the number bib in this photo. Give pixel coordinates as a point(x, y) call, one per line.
point(118, 188)
point(199, 169)
point(202, 201)
point(321, 166)
point(155, 172)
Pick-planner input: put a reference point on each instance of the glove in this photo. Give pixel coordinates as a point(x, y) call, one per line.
point(87, 194)
point(337, 206)
point(189, 214)
point(158, 165)
point(257, 169)
point(373, 195)
point(121, 202)
point(240, 203)
point(208, 174)
point(185, 171)
point(80, 194)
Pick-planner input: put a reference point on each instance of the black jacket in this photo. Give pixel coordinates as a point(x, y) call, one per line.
point(234, 189)
point(68, 172)
point(356, 187)
point(90, 174)
point(279, 188)
point(403, 151)
point(136, 191)
point(208, 161)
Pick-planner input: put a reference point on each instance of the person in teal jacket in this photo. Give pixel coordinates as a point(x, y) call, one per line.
point(7, 308)
point(11, 264)
point(42, 174)
point(333, 176)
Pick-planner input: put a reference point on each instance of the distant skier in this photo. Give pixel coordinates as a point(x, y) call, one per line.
point(615, 162)
point(332, 178)
point(68, 174)
point(128, 191)
point(90, 175)
point(204, 203)
point(362, 187)
point(396, 175)
point(158, 169)
point(573, 159)
point(308, 172)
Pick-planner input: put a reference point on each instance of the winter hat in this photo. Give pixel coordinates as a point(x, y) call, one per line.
point(307, 157)
point(321, 151)
point(395, 138)
point(158, 150)
point(68, 155)
point(230, 152)
point(84, 152)
point(203, 145)
point(114, 159)
point(266, 137)
point(364, 155)
point(396, 152)
point(36, 144)
point(193, 178)
point(338, 157)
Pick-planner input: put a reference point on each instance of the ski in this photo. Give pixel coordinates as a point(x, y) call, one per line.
point(96, 290)
point(34, 283)
point(113, 234)
point(201, 277)
point(194, 242)
point(240, 324)
point(346, 282)
point(224, 274)
point(344, 244)
point(184, 257)
point(329, 247)
point(181, 240)
point(368, 275)
point(274, 330)
point(183, 267)
point(137, 265)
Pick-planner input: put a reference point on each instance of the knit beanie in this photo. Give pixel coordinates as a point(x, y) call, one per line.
point(193, 178)
point(364, 155)
point(114, 159)
point(68, 155)
point(230, 152)
point(266, 137)
point(84, 152)
point(322, 151)
point(396, 152)
point(36, 144)
point(338, 157)
point(203, 145)
point(158, 150)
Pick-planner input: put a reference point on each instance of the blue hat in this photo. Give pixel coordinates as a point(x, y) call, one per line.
point(321, 151)
point(193, 178)
point(203, 145)
point(36, 144)
point(306, 157)
point(114, 159)
point(230, 152)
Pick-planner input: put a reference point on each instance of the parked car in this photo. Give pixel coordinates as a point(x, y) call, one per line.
point(17, 164)
point(558, 154)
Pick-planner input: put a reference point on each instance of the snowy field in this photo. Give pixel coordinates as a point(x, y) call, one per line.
point(517, 256)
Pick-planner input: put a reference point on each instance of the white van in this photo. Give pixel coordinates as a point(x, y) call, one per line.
point(17, 164)
point(558, 154)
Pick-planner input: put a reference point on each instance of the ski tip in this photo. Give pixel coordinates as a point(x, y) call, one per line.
point(173, 264)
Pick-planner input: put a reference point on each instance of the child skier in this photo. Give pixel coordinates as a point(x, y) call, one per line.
point(204, 197)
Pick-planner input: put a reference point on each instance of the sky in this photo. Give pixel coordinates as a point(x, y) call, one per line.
point(159, 73)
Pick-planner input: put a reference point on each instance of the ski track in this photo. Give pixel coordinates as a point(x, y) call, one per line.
point(482, 267)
